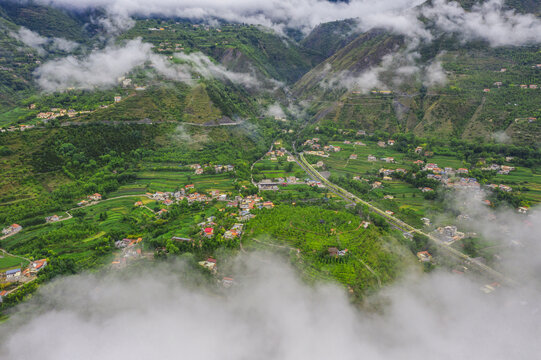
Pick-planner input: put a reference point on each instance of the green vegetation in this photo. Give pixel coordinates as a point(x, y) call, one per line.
point(307, 233)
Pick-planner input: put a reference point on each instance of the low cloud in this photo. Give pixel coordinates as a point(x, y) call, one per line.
point(269, 314)
point(488, 21)
point(40, 43)
point(501, 137)
point(394, 70)
point(275, 110)
point(99, 69)
point(102, 68)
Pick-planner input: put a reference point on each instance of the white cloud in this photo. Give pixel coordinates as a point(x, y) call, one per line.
point(488, 21)
point(152, 313)
point(39, 43)
point(276, 14)
point(102, 68)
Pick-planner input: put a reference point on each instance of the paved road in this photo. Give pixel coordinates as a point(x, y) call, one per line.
point(404, 226)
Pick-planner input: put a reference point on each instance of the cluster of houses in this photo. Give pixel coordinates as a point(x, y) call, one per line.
point(424, 256)
point(18, 274)
point(234, 232)
point(531, 86)
point(383, 144)
point(322, 150)
point(272, 184)
point(530, 119)
point(56, 113)
point(200, 169)
point(11, 230)
point(210, 264)
point(275, 154)
point(335, 252)
point(372, 158)
point(169, 198)
point(449, 233)
point(501, 187)
point(501, 169)
point(129, 252)
point(20, 127)
point(52, 219)
point(91, 198)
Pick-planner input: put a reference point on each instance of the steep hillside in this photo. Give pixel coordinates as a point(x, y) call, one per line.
point(327, 38)
point(46, 20)
point(240, 47)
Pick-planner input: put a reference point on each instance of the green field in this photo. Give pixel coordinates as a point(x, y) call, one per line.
point(312, 230)
point(11, 262)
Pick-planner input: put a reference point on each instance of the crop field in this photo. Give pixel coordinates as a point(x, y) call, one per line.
point(311, 231)
point(11, 262)
point(173, 180)
point(272, 169)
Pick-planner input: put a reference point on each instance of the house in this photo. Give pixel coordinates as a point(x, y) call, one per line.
point(418, 150)
point(13, 274)
point(523, 86)
point(95, 197)
point(389, 212)
point(38, 265)
point(387, 178)
point(320, 164)
point(365, 224)
point(462, 171)
point(419, 162)
point(426, 221)
point(505, 188)
point(82, 203)
point(347, 142)
point(388, 159)
point(381, 144)
point(533, 86)
point(361, 133)
point(138, 203)
point(486, 90)
point(376, 184)
point(353, 157)
point(227, 282)
point(13, 229)
point(333, 251)
point(268, 205)
point(388, 197)
point(118, 98)
point(522, 210)
point(3, 294)
point(426, 189)
point(167, 202)
point(191, 186)
point(290, 158)
point(498, 83)
point(372, 158)
point(208, 232)
point(424, 256)
point(390, 142)
point(210, 264)
point(162, 212)
point(291, 180)
point(51, 219)
point(199, 171)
